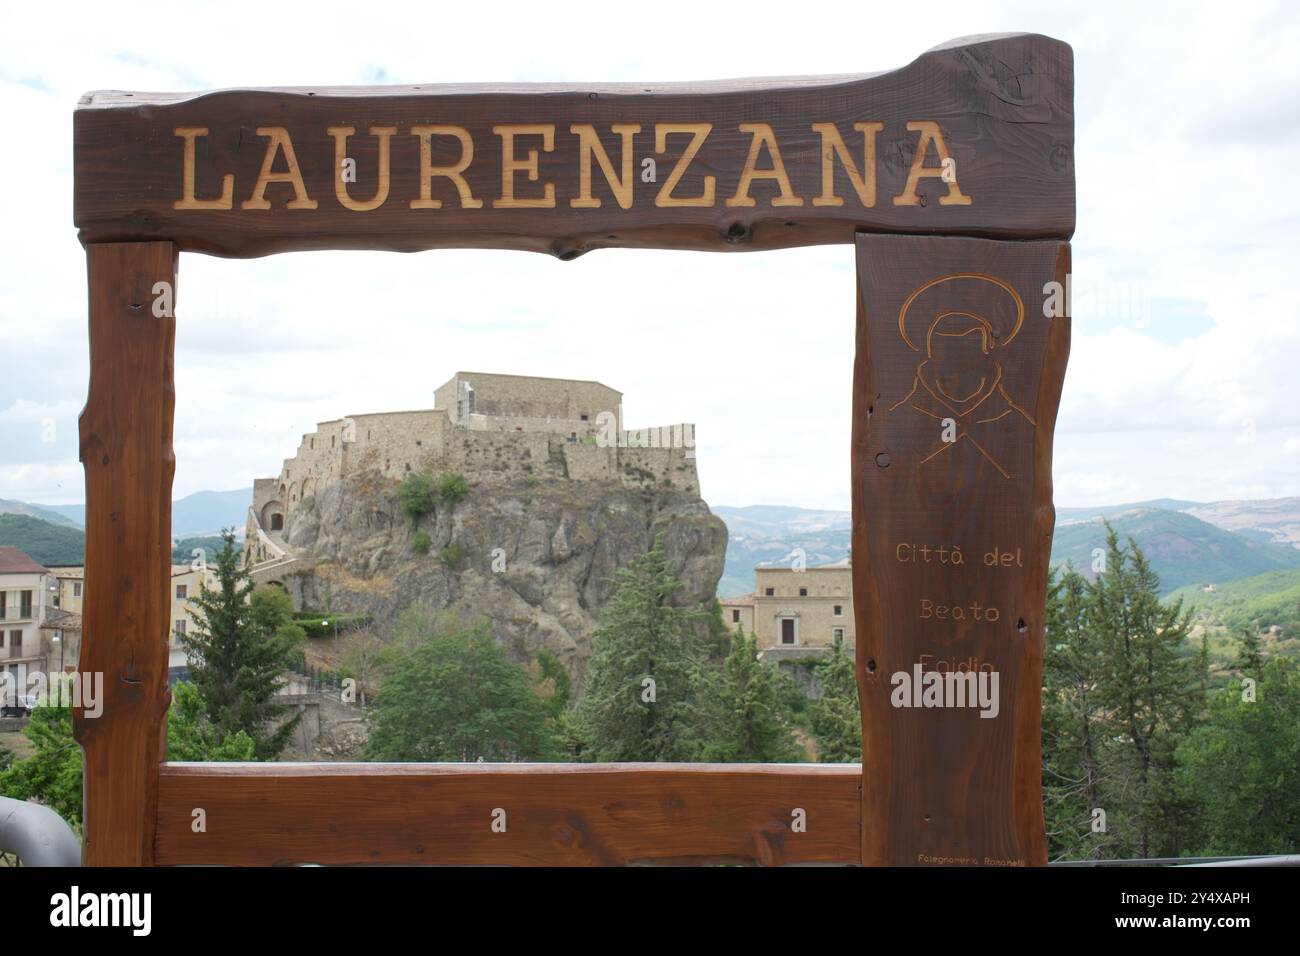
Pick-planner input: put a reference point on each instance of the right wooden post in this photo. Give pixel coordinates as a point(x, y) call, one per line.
point(961, 353)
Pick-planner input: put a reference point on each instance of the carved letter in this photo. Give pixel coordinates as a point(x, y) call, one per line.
point(698, 131)
point(278, 139)
point(428, 170)
point(864, 184)
point(930, 133)
point(188, 200)
point(588, 145)
point(763, 136)
point(341, 134)
point(511, 164)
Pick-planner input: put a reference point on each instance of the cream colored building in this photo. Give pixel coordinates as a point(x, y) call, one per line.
point(27, 589)
point(796, 613)
point(72, 587)
point(187, 581)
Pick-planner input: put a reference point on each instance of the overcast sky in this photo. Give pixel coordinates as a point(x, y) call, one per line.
point(1183, 377)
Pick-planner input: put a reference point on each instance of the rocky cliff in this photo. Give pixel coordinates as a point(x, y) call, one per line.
point(535, 557)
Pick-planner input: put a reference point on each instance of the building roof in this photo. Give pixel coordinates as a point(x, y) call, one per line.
point(13, 561)
point(57, 618)
point(844, 565)
point(739, 600)
point(67, 570)
point(530, 378)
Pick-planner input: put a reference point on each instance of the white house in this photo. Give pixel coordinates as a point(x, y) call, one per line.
point(26, 591)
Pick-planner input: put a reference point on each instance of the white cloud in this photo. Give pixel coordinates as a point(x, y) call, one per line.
point(1182, 196)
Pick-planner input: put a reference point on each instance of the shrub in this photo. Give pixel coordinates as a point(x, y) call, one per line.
point(417, 495)
point(452, 488)
point(421, 543)
point(451, 555)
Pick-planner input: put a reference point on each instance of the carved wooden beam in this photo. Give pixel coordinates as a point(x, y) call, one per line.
point(956, 385)
point(509, 814)
point(126, 449)
point(971, 138)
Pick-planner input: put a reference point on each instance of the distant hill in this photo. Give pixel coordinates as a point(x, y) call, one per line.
point(44, 542)
point(768, 534)
point(1187, 542)
point(202, 513)
point(1068, 515)
point(1182, 549)
point(44, 512)
point(1263, 601)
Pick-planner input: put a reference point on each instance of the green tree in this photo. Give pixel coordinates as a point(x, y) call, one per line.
point(1242, 766)
point(1152, 692)
point(416, 494)
point(719, 643)
point(1073, 714)
point(242, 642)
point(1250, 655)
point(641, 701)
point(454, 697)
point(191, 736)
point(753, 703)
point(836, 718)
point(52, 774)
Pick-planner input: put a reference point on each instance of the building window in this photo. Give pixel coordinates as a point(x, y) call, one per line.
point(583, 417)
point(735, 616)
point(838, 634)
point(180, 626)
point(332, 438)
point(313, 444)
point(25, 604)
point(182, 592)
point(769, 592)
point(839, 610)
point(76, 589)
point(803, 592)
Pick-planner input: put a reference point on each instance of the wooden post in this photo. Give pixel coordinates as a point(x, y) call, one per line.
point(126, 449)
point(956, 384)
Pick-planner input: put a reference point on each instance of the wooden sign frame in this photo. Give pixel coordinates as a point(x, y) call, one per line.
point(954, 178)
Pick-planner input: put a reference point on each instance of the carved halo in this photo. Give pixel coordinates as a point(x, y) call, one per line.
point(985, 296)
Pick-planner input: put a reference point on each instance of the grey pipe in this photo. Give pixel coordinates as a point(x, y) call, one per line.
point(37, 834)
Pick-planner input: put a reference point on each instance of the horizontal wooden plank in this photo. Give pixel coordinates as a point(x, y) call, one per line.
point(563, 169)
point(553, 814)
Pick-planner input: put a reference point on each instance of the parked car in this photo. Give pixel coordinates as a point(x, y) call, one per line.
point(22, 707)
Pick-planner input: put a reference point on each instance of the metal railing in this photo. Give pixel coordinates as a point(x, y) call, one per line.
point(37, 835)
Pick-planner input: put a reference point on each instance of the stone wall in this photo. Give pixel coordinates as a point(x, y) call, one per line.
point(523, 428)
point(520, 396)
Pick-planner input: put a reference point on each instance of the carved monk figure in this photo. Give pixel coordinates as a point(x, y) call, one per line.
point(967, 319)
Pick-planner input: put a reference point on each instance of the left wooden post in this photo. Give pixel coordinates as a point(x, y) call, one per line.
point(126, 450)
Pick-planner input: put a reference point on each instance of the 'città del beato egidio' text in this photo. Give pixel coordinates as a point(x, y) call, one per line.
point(614, 166)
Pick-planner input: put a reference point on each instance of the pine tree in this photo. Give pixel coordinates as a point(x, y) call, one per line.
point(1072, 717)
point(1152, 693)
point(836, 718)
point(1250, 656)
point(642, 700)
point(1242, 766)
point(754, 701)
point(242, 642)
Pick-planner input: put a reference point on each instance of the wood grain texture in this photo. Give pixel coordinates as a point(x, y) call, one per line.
point(953, 329)
point(126, 449)
point(555, 814)
point(1003, 104)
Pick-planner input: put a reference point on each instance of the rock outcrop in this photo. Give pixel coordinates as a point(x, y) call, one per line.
point(535, 557)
